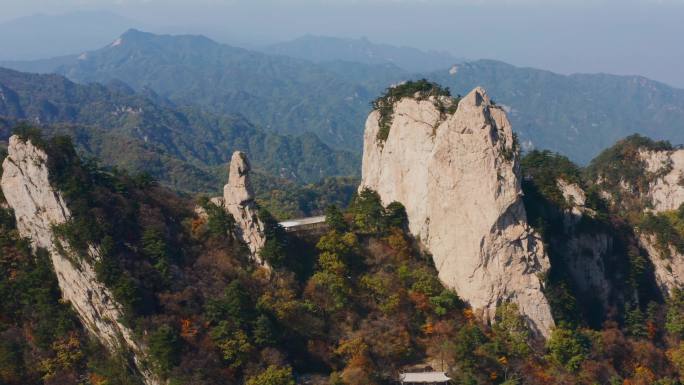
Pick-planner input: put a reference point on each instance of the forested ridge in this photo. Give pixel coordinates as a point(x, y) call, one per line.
point(185, 148)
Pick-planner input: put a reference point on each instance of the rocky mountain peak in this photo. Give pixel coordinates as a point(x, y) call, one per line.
point(645, 179)
point(239, 189)
point(458, 178)
point(133, 34)
point(477, 97)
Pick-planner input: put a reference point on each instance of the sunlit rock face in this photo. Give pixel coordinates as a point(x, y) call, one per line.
point(458, 178)
point(238, 199)
point(666, 191)
point(37, 207)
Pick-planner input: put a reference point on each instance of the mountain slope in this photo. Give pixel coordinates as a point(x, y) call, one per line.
point(203, 314)
point(356, 305)
point(278, 93)
point(182, 146)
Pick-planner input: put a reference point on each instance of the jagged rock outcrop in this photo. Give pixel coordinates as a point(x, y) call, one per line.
point(457, 176)
point(666, 190)
point(574, 196)
point(665, 172)
point(665, 193)
point(238, 200)
point(668, 265)
point(37, 207)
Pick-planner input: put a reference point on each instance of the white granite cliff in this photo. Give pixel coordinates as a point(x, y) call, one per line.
point(666, 191)
point(37, 206)
point(664, 171)
point(668, 265)
point(458, 178)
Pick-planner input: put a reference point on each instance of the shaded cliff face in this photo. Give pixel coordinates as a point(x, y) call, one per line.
point(588, 252)
point(38, 206)
point(584, 252)
point(457, 176)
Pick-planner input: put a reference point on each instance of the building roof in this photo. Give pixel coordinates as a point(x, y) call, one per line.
point(302, 221)
point(424, 377)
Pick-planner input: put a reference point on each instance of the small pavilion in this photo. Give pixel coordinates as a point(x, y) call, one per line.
point(430, 378)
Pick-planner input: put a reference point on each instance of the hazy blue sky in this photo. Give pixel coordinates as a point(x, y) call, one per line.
point(617, 36)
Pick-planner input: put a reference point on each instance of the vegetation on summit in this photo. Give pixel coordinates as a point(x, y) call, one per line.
point(419, 90)
point(623, 162)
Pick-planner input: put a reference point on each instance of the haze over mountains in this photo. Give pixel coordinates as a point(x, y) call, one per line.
point(278, 93)
point(322, 49)
point(183, 147)
point(577, 115)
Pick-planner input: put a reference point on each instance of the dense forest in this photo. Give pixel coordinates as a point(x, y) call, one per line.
point(352, 306)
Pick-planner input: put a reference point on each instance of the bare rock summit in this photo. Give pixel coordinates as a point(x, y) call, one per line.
point(457, 175)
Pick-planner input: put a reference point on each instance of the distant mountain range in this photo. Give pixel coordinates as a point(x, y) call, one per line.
point(183, 147)
point(577, 115)
point(321, 49)
point(328, 95)
point(278, 93)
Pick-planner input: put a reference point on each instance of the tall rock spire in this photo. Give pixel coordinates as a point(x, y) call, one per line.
point(238, 198)
point(458, 178)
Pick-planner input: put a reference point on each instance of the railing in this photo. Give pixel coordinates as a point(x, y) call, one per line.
point(305, 225)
